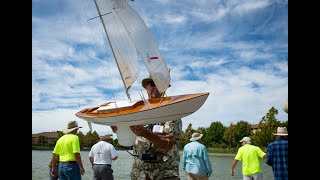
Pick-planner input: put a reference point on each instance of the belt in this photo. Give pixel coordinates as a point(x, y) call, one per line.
point(69, 162)
point(103, 164)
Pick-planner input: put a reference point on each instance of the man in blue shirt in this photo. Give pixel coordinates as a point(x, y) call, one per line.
point(196, 162)
point(277, 155)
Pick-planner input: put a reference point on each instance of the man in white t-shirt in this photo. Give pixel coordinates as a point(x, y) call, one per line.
point(101, 156)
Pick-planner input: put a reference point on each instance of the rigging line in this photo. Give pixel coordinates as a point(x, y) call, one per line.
point(134, 155)
point(96, 46)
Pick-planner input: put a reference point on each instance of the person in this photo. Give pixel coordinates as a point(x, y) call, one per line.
point(68, 150)
point(156, 152)
point(250, 156)
point(53, 177)
point(277, 154)
point(101, 156)
point(196, 162)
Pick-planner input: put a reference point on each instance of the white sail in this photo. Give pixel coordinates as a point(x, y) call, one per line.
point(122, 47)
point(129, 36)
point(144, 42)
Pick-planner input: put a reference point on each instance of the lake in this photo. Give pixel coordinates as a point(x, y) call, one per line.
point(122, 167)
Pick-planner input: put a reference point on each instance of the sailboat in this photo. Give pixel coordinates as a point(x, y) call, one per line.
point(129, 37)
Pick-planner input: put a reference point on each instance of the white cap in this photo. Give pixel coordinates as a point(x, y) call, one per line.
point(246, 139)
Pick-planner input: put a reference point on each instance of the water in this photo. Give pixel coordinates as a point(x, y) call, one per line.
point(122, 167)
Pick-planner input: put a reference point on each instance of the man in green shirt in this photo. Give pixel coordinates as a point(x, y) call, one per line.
point(250, 156)
point(68, 150)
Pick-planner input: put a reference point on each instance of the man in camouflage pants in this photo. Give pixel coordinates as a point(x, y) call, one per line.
point(162, 146)
point(165, 145)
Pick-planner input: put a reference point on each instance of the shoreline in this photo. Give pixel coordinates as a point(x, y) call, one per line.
point(222, 154)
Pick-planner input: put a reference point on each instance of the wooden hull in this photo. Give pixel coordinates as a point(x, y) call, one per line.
point(150, 111)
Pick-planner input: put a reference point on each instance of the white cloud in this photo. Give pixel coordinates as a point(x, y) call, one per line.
point(214, 46)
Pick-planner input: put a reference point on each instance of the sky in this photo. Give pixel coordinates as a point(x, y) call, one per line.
point(236, 50)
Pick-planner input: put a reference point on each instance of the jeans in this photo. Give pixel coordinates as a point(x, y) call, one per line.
point(69, 171)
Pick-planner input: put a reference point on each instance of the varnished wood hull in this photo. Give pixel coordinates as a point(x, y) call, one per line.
point(156, 110)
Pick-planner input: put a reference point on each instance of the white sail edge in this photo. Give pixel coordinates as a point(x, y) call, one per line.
point(144, 43)
point(122, 47)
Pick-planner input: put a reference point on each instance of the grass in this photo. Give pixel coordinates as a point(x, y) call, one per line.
point(41, 148)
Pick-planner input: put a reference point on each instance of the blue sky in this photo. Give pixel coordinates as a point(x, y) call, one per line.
point(237, 50)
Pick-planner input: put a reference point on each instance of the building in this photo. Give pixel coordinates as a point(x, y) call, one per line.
point(254, 128)
point(49, 138)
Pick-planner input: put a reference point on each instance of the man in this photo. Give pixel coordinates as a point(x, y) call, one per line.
point(157, 153)
point(68, 150)
point(250, 156)
point(196, 162)
point(101, 156)
point(277, 154)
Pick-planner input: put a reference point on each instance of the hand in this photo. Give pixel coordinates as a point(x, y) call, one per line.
point(231, 173)
point(114, 128)
point(82, 171)
point(138, 130)
point(54, 172)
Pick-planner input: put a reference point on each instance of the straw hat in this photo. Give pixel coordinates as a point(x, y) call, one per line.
point(72, 125)
point(246, 139)
point(196, 136)
point(281, 131)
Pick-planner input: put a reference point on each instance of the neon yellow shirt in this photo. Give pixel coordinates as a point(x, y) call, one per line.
point(249, 156)
point(66, 147)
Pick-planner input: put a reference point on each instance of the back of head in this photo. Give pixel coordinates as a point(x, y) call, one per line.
point(72, 125)
point(146, 81)
point(246, 139)
point(196, 136)
point(281, 131)
point(105, 138)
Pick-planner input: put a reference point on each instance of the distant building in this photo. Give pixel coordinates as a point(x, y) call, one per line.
point(255, 128)
point(51, 137)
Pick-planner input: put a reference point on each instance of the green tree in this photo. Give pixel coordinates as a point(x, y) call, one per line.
point(230, 136)
point(43, 140)
point(204, 139)
point(243, 129)
point(267, 126)
point(285, 124)
point(185, 136)
point(81, 138)
point(215, 134)
point(90, 139)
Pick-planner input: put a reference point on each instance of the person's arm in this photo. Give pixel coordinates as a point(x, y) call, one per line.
point(184, 157)
point(207, 162)
point(234, 163)
point(162, 141)
point(78, 159)
point(269, 156)
point(91, 161)
point(54, 158)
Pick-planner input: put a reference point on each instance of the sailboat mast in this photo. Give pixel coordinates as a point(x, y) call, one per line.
point(105, 30)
